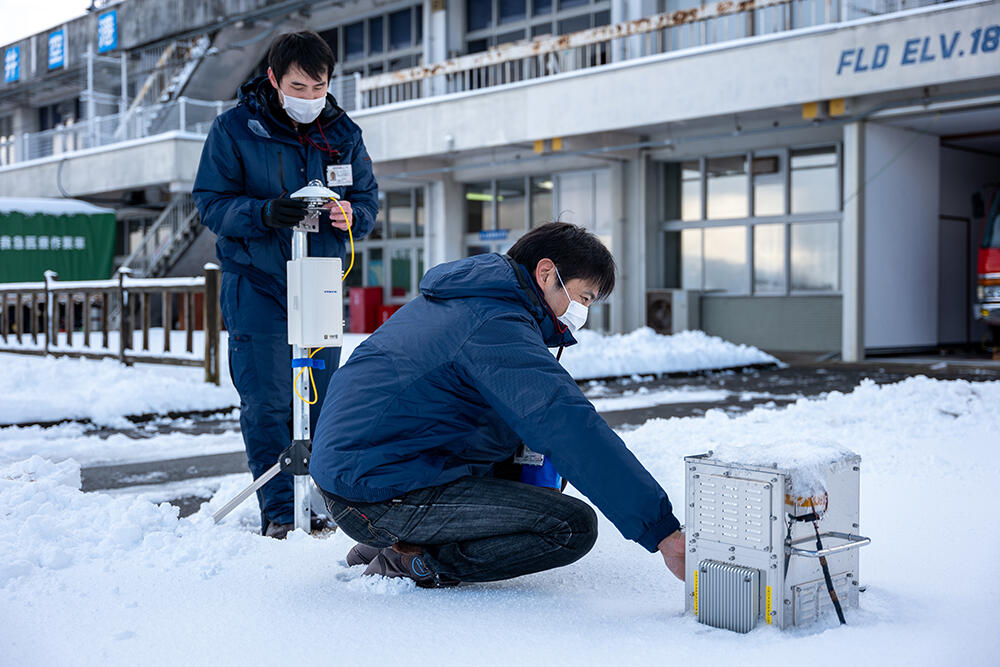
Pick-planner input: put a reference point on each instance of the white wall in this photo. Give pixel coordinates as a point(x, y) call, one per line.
point(901, 181)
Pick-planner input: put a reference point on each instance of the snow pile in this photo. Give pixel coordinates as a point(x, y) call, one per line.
point(645, 352)
point(104, 391)
point(179, 591)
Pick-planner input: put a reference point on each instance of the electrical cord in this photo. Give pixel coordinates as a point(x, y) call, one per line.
point(312, 380)
point(350, 235)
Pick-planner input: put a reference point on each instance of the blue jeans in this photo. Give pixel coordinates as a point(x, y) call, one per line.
point(476, 528)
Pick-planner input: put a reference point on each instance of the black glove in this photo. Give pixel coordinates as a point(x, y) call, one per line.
point(282, 213)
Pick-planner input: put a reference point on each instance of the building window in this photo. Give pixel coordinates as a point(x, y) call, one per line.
point(768, 186)
point(815, 256)
point(392, 255)
point(791, 241)
point(541, 200)
point(511, 210)
point(400, 210)
point(495, 22)
point(691, 259)
point(380, 43)
point(815, 176)
point(725, 252)
point(478, 207)
point(691, 190)
point(727, 187)
point(513, 204)
point(769, 259)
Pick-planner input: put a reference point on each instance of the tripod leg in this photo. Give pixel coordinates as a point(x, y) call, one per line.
point(303, 502)
point(247, 492)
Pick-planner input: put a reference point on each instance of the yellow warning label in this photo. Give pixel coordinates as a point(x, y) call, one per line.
point(696, 591)
point(767, 606)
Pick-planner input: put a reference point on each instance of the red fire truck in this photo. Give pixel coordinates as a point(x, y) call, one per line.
point(987, 207)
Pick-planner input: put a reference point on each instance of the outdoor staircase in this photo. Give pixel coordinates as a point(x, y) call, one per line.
point(167, 239)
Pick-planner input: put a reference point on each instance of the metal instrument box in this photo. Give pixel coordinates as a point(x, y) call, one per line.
point(749, 560)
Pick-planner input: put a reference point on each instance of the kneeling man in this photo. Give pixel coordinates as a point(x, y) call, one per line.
point(416, 425)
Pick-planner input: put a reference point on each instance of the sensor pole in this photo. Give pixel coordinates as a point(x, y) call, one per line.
point(300, 411)
point(315, 319)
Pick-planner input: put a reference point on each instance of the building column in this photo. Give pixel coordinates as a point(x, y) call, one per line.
point(632, 261)
point(852, 255)
point(445, 226)
point(435, 43)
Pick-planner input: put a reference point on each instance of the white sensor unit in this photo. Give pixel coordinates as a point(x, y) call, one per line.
point(315, 302)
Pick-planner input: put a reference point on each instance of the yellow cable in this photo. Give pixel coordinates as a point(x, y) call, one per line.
point(350, 234)
point(312, 379)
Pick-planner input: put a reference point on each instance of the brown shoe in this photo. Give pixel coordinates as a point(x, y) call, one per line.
point(361, 554)
point(393, 564)
point(278, 531)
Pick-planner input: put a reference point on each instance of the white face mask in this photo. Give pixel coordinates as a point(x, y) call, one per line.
point(302, 110)
point(576, 314)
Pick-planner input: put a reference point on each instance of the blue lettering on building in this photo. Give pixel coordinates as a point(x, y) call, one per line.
point(910, 51)
point(948, 48)
point(107, 31)
point(918, 50)
point(57, 49)
point(881, 56)
point(12, 64)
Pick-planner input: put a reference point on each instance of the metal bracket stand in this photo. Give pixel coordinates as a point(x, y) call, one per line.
point(295, 459)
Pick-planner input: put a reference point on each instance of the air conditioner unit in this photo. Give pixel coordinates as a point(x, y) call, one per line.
point(670, 311)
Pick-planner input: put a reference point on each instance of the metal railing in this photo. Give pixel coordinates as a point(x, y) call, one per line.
point(45, 318)
point(671, 31)
point(184, 114)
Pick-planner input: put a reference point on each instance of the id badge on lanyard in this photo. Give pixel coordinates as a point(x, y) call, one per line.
point(339, 175)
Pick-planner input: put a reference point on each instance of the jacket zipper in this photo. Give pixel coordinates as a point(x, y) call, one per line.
point(281, 175)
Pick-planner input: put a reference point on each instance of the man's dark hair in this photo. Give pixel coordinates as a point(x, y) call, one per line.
point(576, 253)
point(306, 49)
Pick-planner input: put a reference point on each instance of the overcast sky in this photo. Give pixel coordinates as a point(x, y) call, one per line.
point(22, 18)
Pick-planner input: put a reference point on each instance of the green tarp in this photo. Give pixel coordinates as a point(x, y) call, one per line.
point(74, 239)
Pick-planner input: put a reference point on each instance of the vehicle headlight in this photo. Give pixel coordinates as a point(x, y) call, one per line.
point(990, 292)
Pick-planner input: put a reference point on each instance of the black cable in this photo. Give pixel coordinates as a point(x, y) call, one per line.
point(826, 576)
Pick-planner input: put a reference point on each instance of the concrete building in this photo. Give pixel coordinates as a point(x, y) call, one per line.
point(794, 174)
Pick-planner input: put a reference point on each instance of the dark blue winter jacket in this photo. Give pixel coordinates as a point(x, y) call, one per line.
point(454, 381)
point(253, 154)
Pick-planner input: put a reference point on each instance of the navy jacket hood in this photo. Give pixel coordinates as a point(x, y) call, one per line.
point(498, 277)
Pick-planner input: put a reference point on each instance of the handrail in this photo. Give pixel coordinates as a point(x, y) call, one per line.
point(142, 249)
point(546, 45)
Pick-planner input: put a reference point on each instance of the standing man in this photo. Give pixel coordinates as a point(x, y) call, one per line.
point(454, 384)
point(285, 131)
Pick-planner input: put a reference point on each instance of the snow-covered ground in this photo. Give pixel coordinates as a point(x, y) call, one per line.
point(114, 579)
point(42, 389)
point(71, 441)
